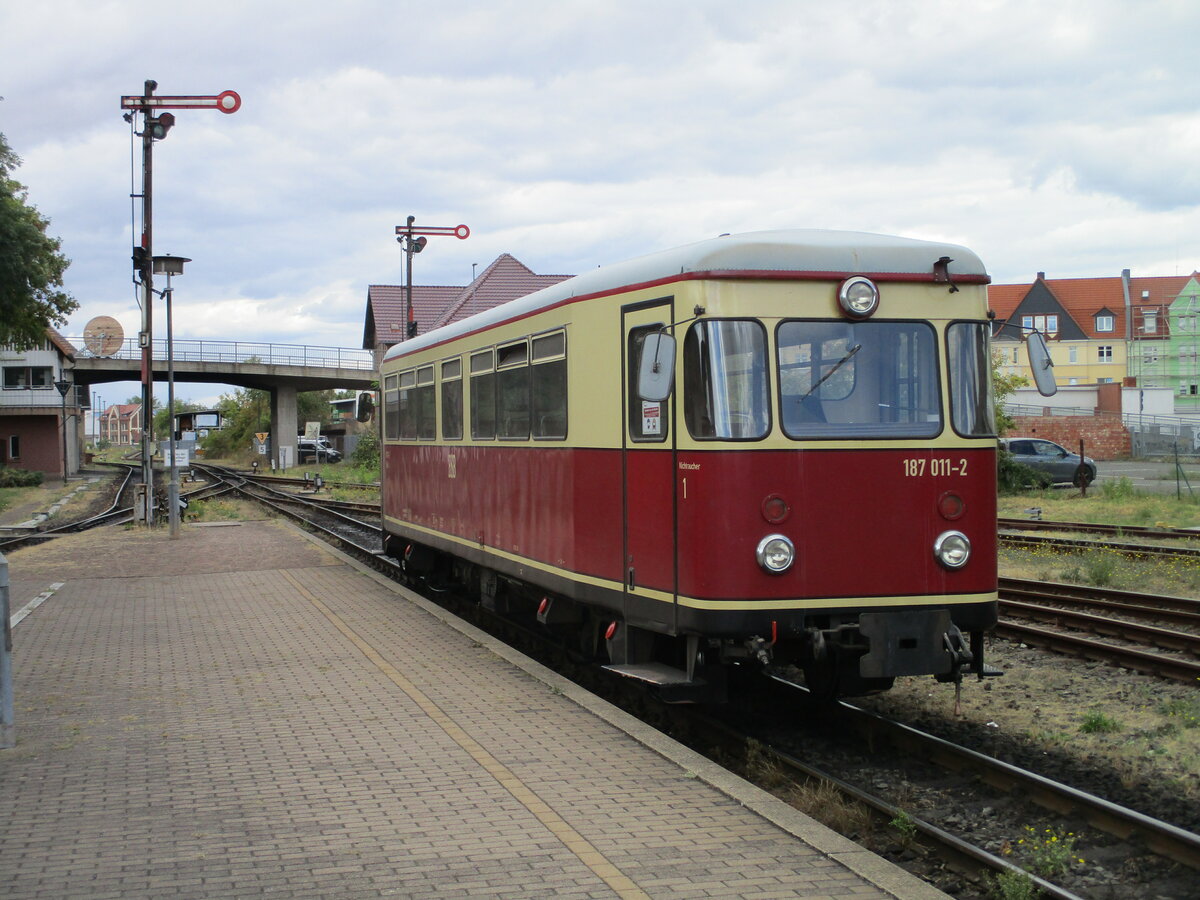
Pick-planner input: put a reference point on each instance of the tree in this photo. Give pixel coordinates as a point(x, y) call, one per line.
point(31, 266)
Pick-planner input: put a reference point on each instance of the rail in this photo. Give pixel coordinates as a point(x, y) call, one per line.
point(245, 352)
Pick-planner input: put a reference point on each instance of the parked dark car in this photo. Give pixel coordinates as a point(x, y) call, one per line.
point(317, 451)
point(1053, 463)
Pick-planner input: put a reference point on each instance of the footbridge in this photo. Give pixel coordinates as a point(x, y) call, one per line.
point(283, 370)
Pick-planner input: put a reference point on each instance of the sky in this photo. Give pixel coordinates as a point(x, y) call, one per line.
point(1061, 137)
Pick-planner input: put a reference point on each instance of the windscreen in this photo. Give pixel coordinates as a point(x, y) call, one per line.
point(858, 379)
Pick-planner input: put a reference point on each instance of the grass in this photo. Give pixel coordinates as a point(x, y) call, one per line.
point(1116, 502)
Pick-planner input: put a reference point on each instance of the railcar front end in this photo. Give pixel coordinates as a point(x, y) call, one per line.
point(768, 449)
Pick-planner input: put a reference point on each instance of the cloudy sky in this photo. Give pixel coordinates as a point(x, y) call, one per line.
point(1061, 137)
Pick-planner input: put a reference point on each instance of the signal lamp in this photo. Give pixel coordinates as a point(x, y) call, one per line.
point(158, 126)
point(775, 553)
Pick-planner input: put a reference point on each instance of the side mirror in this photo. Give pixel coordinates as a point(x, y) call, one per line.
point(366, 406)
point(657, 369)
point(1041, 364)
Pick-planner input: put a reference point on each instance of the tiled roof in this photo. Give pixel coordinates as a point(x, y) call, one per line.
point(1082, 298)
point(433, 306)
point(65, 347)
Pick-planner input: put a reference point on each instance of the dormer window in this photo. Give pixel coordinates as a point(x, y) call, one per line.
point(1105, 322)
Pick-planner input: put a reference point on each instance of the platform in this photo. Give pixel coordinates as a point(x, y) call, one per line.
point(243, 712)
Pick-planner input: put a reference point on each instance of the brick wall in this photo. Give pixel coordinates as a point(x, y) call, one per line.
point(1103, 437)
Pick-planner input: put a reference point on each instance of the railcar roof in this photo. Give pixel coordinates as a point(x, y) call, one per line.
point(811, 252)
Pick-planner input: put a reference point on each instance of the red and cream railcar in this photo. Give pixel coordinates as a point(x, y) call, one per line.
point(801, 471)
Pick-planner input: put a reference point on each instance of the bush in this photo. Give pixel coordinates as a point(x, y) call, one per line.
point(366, 451)
point(1013, 477)
point(19, 478)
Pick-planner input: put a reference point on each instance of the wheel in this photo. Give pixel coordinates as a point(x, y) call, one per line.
point(1084, 476)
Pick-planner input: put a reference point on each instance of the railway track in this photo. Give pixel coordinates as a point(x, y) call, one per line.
point(1076, 545)
point(1121, 615)
point(1116, 531)
point(1009, 783)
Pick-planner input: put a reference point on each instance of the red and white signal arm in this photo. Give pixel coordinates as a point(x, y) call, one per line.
point(226, 102)
point(462, 232)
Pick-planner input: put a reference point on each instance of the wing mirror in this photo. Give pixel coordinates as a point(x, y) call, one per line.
point(657, 370)
point(1041, 364)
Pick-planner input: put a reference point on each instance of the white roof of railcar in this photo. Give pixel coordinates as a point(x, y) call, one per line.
point(804, 252)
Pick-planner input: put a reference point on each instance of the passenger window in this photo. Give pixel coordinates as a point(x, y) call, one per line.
point(549, 380)
point(424, 409)
point(452, 396)
point(483, 395)
point(647, 418)
point(391, 408)
point(512, 391)
point(408, 417)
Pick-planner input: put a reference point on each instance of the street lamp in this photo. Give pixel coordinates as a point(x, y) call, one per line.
point(64, 388)
point(171, 265)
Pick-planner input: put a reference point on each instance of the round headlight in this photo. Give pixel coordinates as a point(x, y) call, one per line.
point(775, 554)
point(858, 297)
point(952, 549)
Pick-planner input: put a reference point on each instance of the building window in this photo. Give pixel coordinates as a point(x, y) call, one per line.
point(14, 446)
point(1104, 354)
point(1027, 323)
point(1103, 381)
point(1073, 354)
point(1105, 322)
point(1016, 356)
point(1072, 381)
point(1150, 321)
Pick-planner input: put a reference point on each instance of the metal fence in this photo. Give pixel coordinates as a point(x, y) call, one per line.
point(249, 352)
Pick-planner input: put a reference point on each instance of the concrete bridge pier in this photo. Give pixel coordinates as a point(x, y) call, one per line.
point(284, 424)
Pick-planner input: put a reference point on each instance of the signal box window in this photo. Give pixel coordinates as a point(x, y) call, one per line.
point(647, 418)
point(452, 398)
point(512, 391)
point(391, 408)
point(483, 395)
point(858, 379)
point(549, 382)
point(725, 385)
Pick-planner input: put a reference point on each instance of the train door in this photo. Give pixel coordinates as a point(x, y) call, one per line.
point(648, 469)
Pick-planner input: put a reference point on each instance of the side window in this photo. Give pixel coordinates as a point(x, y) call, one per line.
point(647, 418)
point(483, 395)
point(549, 379)
point(726, 394)
point(408, 413)
point(425, 412)
point(512, 391)
point(391, 408)
point(452, 397)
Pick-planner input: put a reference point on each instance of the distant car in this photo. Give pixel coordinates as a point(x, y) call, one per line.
point(319, 450)
point(1054, 463)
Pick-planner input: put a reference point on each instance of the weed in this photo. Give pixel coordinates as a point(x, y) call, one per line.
point(1100, 567)
point(1096, 722)
point(1049, 854)
point(1012, 885)
point(905, 827)
point(1118, 489)
point(827, 804)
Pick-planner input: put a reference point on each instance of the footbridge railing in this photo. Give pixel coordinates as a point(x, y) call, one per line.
point(245, 352)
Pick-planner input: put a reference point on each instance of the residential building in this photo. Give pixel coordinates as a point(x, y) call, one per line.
point(1101, 330)
point(121, 424)
point(39, 424)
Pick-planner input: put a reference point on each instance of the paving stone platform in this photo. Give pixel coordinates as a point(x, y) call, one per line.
point(242, 712)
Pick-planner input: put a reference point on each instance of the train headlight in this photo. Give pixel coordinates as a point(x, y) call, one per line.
point(858, 297)
point(775, 554)
point(952, 549)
